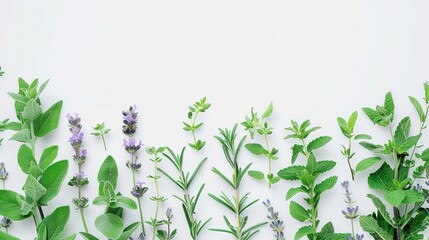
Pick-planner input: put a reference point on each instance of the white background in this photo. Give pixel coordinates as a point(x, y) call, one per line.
point(314, 59)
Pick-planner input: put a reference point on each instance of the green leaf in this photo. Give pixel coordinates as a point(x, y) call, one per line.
point(33, 190)
point(52, 179)
point(108, 172)
point(318, 143)
point(352, 121)
point(5, 236)
point(367, 163)
point(373, 115)
point(31, 111)
point(109, 191)
point(326, 184)
point(370, 225)
point(25, 158)
point(418, 108)
point(413, 196)
point(48, 120)
point(343, 126)
point(71, 237)
point(48, 156)
point(88, 236)
point(382, 179)
point(56, 222)
point(381, 208)
point(23, 136)
point(298, 212)
point(303, 231)
point(256, 174)
point(268, 111)
point(100, 200)
point(363, 137)
point(255, 148)
point(291, 173)
point(296, 149)
point(128, 231)
point(375, 148)
point(402, 131)
point(324, 166)
point(10, 206)
point(409, 143)
point(388, 103)
point(126, 202)
point(109, 225)
point(425, 155)
point(293, 191)
point(395, 197)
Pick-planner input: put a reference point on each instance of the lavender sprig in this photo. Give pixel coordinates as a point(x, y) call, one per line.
point(276, 224)
point(4, 222)
point(130, 144)
point(167, 234)
point(350, 212)
point(79, 180)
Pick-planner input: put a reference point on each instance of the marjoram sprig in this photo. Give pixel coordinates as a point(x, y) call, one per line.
point(195, 109)
point(254, 124)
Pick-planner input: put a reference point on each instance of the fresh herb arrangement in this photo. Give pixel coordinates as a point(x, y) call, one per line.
point(396, 183)
point(100, 131)
point(347, 128)
point(158, 199)
point(189, 203)
point(130, 144)
point(276, 224)
point(44, 177)
point(259, 125)
point(198, 107)
point(237, 204)
point(79, 180)
point(307, 174)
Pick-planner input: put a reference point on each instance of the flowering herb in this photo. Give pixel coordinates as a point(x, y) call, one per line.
point(236, 204)
point(79, 180)
point(154, 222)
point(4, 222)
point(130, 144)
point(189, 204)
point(276, 224)
point(255, 124)
point(307, 175)
point(167, 234)
point(44, 177)
point(110, 223)
point(100, 131)
point(350, 212)
point(347, 128)
point(192, 126)
point(396, 183)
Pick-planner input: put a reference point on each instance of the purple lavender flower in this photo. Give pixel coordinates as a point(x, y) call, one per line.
point(141, 237)
point(139, 189)
point(351, 212)
point(130, 121)
point(358, 237)
point(276, 224)
point(5, 222)
point(418, 188)
point(131, 145)
point(76, 138)
point(80, 175)
point(3, 172)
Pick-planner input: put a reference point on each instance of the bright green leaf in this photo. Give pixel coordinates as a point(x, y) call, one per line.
point(367, 163)
point(48, 120)
point(25, 158)
point(298, 212)
point(110, 225)
point(52, 179)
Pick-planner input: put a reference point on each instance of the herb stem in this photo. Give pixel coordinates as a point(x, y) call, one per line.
point(396, 212)
point(349, 157)
point(104, 140)
point(193, 127)
point(313, 213)
point(237, 205)
point(269, 158)
point(79, 194)
point(155, 177)
point(138, 199)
